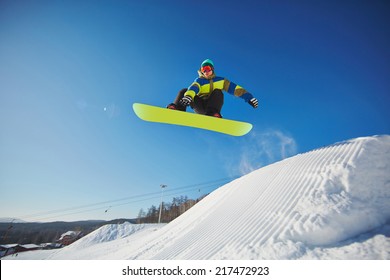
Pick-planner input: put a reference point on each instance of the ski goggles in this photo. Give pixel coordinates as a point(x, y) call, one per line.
point(206, 69)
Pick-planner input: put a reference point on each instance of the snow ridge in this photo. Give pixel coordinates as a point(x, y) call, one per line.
point(330, 203)
point(314, 199)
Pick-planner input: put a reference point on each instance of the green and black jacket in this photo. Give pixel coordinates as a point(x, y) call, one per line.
point(203, 87)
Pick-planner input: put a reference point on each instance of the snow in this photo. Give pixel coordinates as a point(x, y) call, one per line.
point(330, 203)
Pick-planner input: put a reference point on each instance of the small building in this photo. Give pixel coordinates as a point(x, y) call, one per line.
point(69, 237)
point(9, 249)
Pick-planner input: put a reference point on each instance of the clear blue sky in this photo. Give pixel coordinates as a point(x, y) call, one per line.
point(71, 70)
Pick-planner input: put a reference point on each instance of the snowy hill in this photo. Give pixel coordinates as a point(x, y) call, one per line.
point(330, 203)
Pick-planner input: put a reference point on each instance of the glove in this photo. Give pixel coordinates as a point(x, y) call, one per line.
point(253, 102)
point(186, 100)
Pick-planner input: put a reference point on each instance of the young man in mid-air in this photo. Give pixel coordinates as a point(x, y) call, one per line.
point(205, 94)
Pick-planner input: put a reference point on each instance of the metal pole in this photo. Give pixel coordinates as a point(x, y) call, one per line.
point(162, 191)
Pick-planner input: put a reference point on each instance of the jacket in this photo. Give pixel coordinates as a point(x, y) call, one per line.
point(203, 87)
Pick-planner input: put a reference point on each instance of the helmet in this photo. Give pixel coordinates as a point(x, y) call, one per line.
point(207, 62)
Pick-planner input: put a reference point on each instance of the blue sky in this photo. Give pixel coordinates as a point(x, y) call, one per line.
point(71, 147)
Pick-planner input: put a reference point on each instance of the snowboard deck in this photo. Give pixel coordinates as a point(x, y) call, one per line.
point(163, 115)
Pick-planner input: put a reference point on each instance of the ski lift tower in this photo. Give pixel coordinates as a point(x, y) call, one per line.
point(162, 192)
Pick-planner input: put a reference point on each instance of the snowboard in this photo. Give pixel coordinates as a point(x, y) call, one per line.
point(162, 115)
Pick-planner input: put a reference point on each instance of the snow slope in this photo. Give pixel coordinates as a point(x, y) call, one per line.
point(330, 203)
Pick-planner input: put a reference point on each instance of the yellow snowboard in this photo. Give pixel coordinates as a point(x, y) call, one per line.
point(162, 115)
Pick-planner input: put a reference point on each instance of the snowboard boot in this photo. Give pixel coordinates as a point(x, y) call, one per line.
point(217, 115)
point(172, 106)
point(214, 114)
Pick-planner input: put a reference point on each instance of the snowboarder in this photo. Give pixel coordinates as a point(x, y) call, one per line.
point(205, 94)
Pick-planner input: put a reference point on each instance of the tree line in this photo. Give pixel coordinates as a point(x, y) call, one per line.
point(38, 233)
point(169, 210)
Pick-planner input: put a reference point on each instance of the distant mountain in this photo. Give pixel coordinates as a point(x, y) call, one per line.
point(11, 220)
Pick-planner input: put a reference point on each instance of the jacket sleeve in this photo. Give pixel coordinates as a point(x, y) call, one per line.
point(193, 89)
point(236, 90)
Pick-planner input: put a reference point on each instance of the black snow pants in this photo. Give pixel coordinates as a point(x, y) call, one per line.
point(213, 104)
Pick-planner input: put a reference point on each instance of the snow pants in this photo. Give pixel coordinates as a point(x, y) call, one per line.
point(213, 104)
